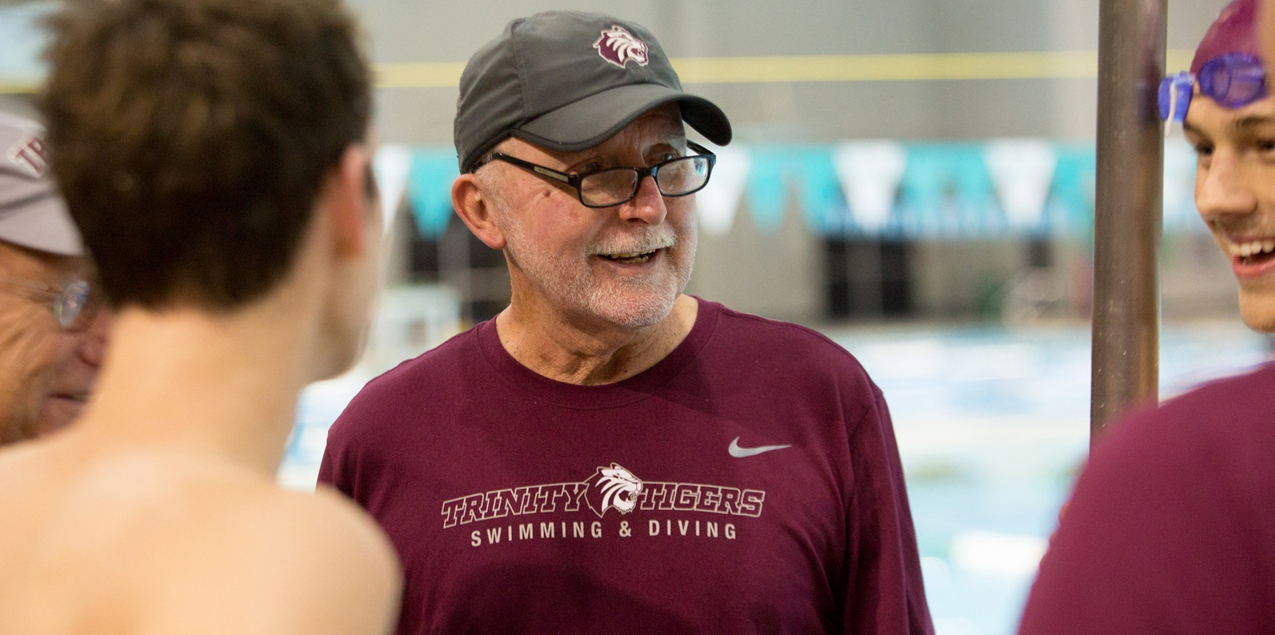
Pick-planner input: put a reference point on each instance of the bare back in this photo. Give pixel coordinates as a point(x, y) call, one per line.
point(156, 541)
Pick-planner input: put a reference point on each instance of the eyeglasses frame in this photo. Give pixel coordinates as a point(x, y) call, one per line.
point(81, 319)
point(574, 180)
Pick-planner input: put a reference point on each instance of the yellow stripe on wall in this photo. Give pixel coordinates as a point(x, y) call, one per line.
point(806, 68)
point(867, 68)
point(827, 68)
point(16, 88)
point(423, 75)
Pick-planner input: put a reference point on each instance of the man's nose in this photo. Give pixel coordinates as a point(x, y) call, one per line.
point(1224, 188)
point(93, 342)
point(648, 206)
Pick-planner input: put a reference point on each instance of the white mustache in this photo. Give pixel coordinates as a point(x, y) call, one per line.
point(661, 238)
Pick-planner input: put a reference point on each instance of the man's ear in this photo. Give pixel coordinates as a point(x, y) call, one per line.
point(355, 214)
point(475, 208)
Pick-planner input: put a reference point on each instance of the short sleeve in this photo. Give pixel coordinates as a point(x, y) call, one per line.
point(885, 593)
point(327, 469)
point(333, 468)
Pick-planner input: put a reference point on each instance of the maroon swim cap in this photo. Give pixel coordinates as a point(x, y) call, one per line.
point(1232, 32)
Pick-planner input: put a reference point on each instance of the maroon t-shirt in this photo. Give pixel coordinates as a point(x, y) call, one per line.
point(1171, 528)
point(747, 483)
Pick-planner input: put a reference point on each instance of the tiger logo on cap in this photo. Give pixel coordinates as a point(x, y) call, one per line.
point(618, 46)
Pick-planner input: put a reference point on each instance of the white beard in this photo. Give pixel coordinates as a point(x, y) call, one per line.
point(567, 281)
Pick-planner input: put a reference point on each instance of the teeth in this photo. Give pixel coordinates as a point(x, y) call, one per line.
point(642, 256)
point(1250, 248)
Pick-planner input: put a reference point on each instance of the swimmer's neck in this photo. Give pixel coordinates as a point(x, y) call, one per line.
point(210, 386)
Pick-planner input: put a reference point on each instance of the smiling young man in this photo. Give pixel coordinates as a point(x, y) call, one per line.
point(1231, 125)
point(213, 154)
point(608, 454)
point(52, 328)
point(1170, 527)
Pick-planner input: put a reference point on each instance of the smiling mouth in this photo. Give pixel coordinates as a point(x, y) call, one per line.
point(630, 258)
point(1252, 252)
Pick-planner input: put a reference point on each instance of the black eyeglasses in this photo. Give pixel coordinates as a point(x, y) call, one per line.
point(616, 186)
point(75, 303)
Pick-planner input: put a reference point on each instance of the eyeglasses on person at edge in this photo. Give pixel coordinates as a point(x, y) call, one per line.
point(609, 187)
point(75, 303)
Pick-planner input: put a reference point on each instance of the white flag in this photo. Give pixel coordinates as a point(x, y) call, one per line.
point(717, 203)
point(870, 172)
point(392, 165)
point(1022, 171)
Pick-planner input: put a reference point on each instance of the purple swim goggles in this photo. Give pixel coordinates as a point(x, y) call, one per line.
point(1232, 80)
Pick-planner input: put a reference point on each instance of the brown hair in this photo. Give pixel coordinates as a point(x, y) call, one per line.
point(191, 137)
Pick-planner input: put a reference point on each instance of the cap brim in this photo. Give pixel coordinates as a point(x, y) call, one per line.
point(43, 225)
point(594, 119)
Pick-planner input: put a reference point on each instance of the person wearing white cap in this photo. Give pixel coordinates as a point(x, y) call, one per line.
point(52, 329)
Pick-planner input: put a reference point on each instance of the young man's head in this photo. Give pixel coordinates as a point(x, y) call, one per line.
point(560, 122)
point(197, 142)
point(1228, 115)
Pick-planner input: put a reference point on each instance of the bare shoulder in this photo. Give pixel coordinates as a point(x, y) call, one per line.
point(285, 562)
point(146, 543)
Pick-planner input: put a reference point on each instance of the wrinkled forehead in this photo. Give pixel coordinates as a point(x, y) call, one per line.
point(657, 127)
point(667, 117)
point(32, 264)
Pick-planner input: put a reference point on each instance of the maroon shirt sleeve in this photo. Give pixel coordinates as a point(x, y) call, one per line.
point(890, 595)
point(1170, 526)
point(328, 473)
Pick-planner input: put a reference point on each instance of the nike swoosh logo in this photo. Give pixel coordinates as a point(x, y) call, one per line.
point(743, 453)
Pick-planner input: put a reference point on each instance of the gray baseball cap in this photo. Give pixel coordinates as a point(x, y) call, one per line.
point(32, 212)
point(569, 80)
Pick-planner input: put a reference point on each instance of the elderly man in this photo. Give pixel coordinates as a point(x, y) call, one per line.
point(1171, 525)
point(52, 334)
point(237, 281)
point(609, 455)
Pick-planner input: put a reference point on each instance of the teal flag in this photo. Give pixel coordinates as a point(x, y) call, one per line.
point(429, 189)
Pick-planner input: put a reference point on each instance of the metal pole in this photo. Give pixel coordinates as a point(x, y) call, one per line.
point(1127, 219)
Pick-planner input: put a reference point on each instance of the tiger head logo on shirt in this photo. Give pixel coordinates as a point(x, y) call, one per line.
point(613, 487)
point(618, 46)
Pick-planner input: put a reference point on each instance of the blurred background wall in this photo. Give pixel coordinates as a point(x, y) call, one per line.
point(787, 268)
point(790, 271)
